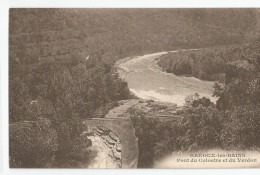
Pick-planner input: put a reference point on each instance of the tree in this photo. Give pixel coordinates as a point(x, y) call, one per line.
point(242, 128)
point(33, 146)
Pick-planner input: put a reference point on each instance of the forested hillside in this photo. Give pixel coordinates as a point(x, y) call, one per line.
point(61, 68)
point(213, 63)
point(38, 35)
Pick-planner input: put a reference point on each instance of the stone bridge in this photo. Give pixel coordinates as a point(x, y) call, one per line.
point(124, 129)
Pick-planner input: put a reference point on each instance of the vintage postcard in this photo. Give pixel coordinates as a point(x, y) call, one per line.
point(134, 88)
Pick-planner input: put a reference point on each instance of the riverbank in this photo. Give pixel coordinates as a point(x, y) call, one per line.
point(147, 81)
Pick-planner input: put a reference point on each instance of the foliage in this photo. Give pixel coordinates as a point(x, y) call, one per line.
point(233, 123)
point(205, 102)
point(239, 97)
point(149, 134)
point(62, 95)
point(61, 71)
point(33, 147)
point(242, 128)
point(78, 156)
point(241, 90)
point(217, 63)
point(38, 35)
point(199, 128)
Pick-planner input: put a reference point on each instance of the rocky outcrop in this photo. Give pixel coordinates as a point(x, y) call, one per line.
point(112, 141)
point(119, 136)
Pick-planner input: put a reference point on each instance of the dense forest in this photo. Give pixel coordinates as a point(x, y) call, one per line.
point(38, 35)
point(61, 70)
point(59, 96)
point(214, 64)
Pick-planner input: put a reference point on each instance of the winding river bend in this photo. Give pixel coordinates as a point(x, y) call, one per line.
point(147, 81)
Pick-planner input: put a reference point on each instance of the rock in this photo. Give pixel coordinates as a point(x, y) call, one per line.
point(102, 131)
point(109, 145)
point(111, 154)
point(117, 155)
point(113, 136)
point(110, 141)
point(118, 148)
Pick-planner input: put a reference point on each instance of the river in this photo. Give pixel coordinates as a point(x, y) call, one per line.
point(147, 81)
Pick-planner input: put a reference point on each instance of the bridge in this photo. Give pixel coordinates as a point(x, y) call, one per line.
point(124, 129)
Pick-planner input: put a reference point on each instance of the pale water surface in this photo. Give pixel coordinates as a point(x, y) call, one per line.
point(146, 80)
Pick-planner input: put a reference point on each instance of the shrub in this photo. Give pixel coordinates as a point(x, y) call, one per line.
point(242, 128)
point(33, 146)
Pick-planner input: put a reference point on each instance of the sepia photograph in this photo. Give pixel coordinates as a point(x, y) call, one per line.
point(110, 88)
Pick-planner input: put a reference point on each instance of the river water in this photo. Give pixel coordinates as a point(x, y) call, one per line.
point(147, 81)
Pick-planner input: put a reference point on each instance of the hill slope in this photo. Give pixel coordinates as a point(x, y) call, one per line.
point(38, 35)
